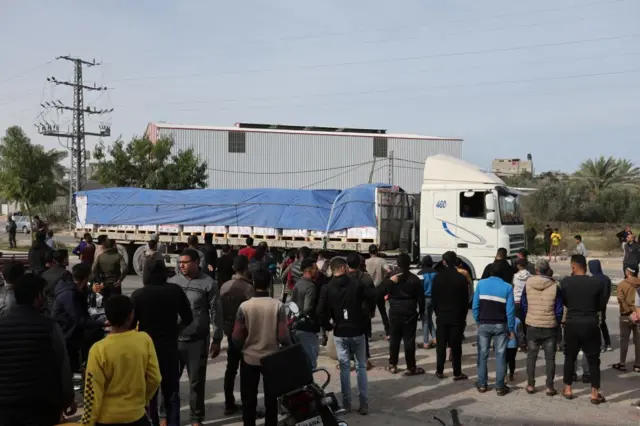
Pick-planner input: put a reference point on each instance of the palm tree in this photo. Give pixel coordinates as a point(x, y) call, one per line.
point(606, 173)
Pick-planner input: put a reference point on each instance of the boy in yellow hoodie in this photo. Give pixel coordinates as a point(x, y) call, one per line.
point(122, 371)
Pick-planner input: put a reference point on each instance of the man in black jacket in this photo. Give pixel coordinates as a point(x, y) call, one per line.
point(358, 272)
point(631, 253)
point(210, 255)
point(12, 273)
point(305, 295)
point(161, 310)
point(56, 273)
point(340, 308)
point(505, 270)
point(406, 307)
point(70, 309)
point(224, 266)
point(450, 299)
point(35, 377)
point(38, 255)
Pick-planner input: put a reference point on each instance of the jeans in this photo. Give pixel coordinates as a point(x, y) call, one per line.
point(193, 356)
point(497, 332)
point(249, 382)
point(449, 335)
point(428, 325)
point(346, 347)
point(234, 357)
point(165, 404)
point(403, 329)
point(546, 338)
point(628, 327)
point(582, 334)
point(309, 343)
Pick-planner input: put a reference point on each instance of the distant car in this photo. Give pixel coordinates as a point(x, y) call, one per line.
point(23, 223)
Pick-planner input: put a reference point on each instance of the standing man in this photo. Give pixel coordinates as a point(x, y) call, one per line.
point(531, 234)
point(192, 241)
point(12, 230)
point(305, 295)
point(580, 248)
point(248, 251)
point(193, 342)
point(210, 255)
point(12, 273)
point(428, 273)
point(524, 254)
point(595, 268)
point(627, 293)
point(233, 293)
point(584, 297)
point(354, 262)
point(225, 265)
point(547, 240)
point(161, 310)
point(109, 270)
point(38, 255)
point(622, 236)
point(260, 330)
point(494, 312)
point(56, 273)
point(450, 299)
point(340, 308)
point(35, 378)
point(500, 266)
point(556, 238)
point(631, 253)
point(542, 310)
point(378, 268)
point(406, 306)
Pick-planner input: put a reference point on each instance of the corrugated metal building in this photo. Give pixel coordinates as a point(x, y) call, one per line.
point(275, 156)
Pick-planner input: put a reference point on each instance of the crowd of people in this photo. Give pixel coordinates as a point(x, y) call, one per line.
point(132, 351)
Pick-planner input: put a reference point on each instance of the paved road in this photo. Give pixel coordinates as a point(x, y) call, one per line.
point(399, 401)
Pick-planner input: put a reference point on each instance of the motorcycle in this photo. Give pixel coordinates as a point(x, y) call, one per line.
point(309, 405)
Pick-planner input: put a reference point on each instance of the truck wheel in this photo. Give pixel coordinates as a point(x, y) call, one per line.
point(138, 257)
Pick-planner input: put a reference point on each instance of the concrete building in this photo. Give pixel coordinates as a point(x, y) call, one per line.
point(279, 156)
point(511, 167)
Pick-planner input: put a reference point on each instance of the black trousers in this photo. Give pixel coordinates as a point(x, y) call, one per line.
point(403, 329)
point(582, 334)
point(605, 329)
point(165, 404)
point(249, 382)
point(234, 357)
point(382, 308)
point(520, 316)
point(12, 240)
point(511, 360)
point(449, 335)
point(193, 356)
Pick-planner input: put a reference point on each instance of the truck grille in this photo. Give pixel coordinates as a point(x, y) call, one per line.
point(516, 242)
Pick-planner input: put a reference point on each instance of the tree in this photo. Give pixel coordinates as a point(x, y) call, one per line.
point(144, 164)
point(605, 173)
point(29, 174)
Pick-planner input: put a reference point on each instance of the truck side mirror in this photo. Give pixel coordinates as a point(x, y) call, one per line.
point(491, 218)
point(489, 202)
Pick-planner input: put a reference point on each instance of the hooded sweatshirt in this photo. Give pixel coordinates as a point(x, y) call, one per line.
point(627, 290)
point(519, 280)
point(541, 302)
point(595, 268)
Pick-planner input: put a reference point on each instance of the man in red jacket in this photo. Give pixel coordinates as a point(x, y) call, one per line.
point(248, 251)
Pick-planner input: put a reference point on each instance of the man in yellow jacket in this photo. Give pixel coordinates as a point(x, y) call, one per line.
point(122, 371)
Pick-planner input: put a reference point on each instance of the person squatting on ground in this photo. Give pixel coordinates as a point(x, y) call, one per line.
point(406, 307)
point(260, 330)
point(542, 311)
point(233, 293)
point(494, 312)
point(305, 295)
point(340, 309)
point(34, 364)
point(161, 310)
point(450, 300)
point(584, 297)
point(193, 345)
point(627, 294)
point(122, 371)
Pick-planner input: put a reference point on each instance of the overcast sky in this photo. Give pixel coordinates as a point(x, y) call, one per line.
point(555, 78)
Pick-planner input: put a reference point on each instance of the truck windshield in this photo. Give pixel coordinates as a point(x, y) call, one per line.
point(509, 207)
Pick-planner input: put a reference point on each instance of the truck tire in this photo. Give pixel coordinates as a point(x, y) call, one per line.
point(138, 255)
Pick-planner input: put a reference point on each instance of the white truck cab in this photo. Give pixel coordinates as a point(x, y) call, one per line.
point(468, 211)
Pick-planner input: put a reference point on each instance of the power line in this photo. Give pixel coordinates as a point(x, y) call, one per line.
point(334, 176)
point(290, 172)
point(388, 29)
point(384, 60)
point(409, 161)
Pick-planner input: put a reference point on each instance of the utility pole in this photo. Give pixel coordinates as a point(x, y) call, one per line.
point(78, 169)
point(390, 167)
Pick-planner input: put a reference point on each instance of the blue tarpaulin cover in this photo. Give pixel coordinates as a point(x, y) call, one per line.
point(267, 208)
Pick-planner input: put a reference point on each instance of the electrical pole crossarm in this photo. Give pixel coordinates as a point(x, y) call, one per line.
point(80, 61)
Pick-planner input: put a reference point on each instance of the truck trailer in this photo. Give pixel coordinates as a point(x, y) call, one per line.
point(460, 208)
